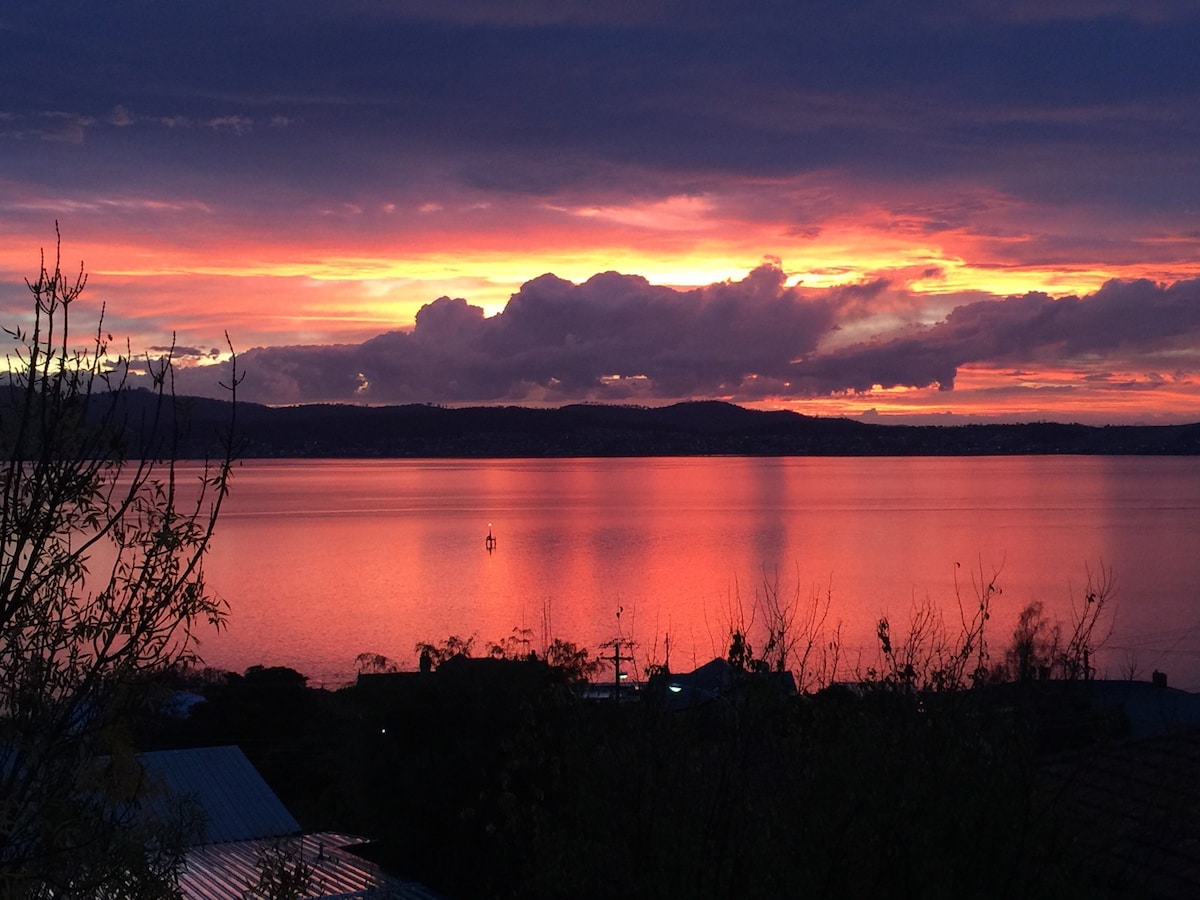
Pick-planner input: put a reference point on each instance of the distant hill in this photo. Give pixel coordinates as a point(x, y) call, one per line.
point(683, 429)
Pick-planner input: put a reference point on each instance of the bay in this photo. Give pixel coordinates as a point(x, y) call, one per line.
point(321, 560)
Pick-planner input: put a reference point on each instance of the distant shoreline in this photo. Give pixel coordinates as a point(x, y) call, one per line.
point(700, 428)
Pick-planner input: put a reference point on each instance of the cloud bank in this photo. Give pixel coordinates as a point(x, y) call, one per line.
point(614, 337)
point(1137, 322)
point(618, 338)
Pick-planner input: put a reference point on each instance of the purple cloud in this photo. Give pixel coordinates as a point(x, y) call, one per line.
point(612, 337)
point(619, 338)
point(1133, 320)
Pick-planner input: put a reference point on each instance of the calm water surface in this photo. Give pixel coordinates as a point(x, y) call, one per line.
point(323, 560)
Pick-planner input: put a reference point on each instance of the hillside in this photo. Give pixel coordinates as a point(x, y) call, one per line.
point(696, 428)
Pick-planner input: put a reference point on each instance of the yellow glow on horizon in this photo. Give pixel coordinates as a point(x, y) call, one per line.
point(681, 242)
point(991, 392)
point(1019, 280)
point(511, 272)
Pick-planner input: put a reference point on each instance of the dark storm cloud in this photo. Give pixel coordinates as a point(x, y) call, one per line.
point(1135, 321)
point(281, 375)
point(694, 89)
point(613, 337)
point(618, 338)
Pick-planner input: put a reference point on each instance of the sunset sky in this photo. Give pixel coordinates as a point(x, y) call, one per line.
point(919, 211)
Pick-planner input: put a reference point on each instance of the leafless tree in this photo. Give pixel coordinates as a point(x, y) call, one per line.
point(102, 543)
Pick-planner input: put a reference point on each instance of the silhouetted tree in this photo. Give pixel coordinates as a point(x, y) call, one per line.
point(102, 541)
point(439, 653)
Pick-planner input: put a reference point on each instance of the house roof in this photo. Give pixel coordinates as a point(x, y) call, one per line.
point(227, 871)
point(1137, 803)
point(1148, 709)
point(244, 823)
point(236, 802)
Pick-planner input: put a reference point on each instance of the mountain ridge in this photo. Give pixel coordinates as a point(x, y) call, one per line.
point(688, 428)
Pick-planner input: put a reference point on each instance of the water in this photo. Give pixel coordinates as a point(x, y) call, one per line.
point(323, 560)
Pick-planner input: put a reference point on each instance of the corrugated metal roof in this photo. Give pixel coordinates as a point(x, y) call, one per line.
point(244, 821)
point(228, 871)
point(237, 804)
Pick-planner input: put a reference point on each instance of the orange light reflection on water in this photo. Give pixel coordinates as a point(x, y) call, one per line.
point(321, 561)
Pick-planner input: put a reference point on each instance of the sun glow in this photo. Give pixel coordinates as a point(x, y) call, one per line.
point(987, 393)
point(326, 285)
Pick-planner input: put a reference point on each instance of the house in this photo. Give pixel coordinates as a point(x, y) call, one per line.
point(711, 681)
point(1137, 804)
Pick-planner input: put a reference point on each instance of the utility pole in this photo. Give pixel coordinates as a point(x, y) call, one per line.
point(616, 659)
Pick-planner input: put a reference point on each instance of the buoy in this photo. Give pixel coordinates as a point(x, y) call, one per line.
point(490, 540)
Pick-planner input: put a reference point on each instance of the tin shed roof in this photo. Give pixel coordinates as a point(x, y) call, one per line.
point(246, 826)
point(229, 871)
point(237, 804)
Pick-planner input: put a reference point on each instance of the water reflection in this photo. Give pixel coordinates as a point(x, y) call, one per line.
point(323, 560)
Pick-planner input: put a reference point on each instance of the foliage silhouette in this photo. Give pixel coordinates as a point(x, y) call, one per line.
point(102, 543)
point(924, 780)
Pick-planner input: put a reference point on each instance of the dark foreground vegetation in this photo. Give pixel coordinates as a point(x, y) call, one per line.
point(495, 777)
